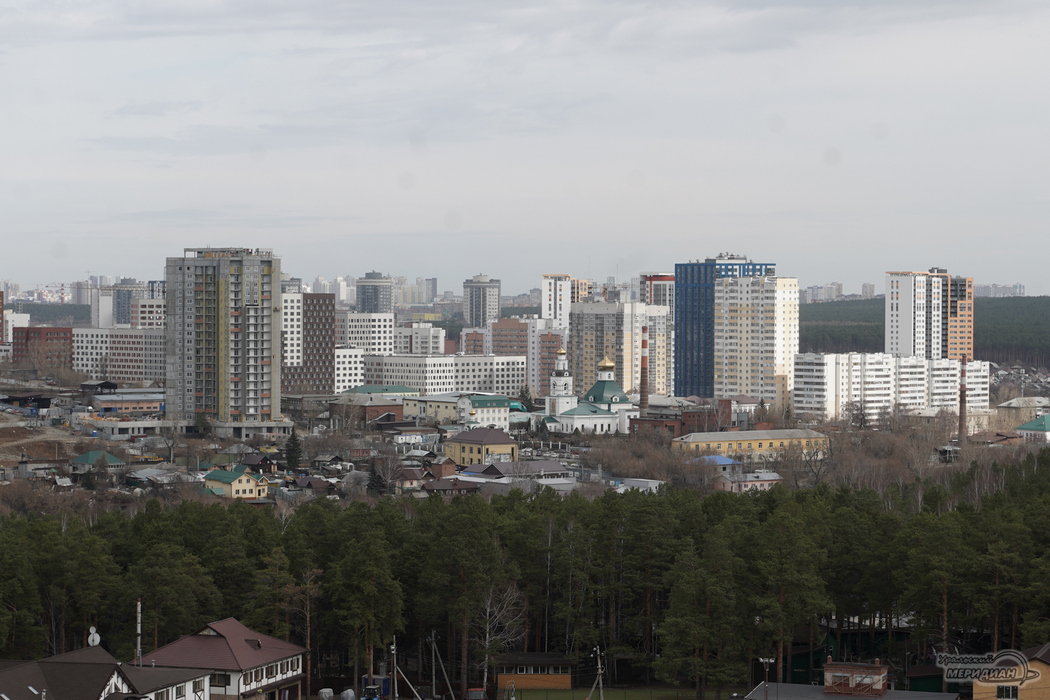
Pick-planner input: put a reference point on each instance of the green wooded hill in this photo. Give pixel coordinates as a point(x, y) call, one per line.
point(1005, 329)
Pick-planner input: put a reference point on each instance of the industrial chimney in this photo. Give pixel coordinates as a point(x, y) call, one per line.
point(643, 384)
point(962, 402)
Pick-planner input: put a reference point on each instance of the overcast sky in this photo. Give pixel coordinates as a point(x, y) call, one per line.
point(837, 139)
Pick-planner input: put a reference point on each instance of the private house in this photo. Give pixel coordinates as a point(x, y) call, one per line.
point(91, 673)
point(481, 446)
point(260, 463)
point(451, 486)
point(411, 479)
point(235, 483)
point(243, 663)
point(87, 462)
point(735, 481)
point(540, 469)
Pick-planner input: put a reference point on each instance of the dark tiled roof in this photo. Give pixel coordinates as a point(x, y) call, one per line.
point(483, 436)
point(146, 679)
point(226, 645)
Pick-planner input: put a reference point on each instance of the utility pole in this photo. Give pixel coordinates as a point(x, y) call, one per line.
point(433, 668)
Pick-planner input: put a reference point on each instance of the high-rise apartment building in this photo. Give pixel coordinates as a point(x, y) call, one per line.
point(223, 339)
point(929, 314)
point(308, 343)
point(438, 374)
point(2, 333)
point(481, 302)
point(613, 331)
point(375, 294)
point(657, 289)
point(556, 299)
point(755, 337)
point(867, 291)
point(694, 341)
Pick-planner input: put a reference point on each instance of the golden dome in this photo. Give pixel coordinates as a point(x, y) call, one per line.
point(561, 351)
point(606, 363)
point(473, 412)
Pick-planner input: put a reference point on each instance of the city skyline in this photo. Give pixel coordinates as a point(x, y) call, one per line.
point(617, 137)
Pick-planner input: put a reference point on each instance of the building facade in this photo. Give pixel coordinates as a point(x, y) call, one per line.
point(481, 300)
point(613, 330)
point(869, 385)
point(694, 341)
point(440, 374)
point(556, 299)
point(929, 314)
point(349, 368)
point(375, 294)
point(419, 338)
point(42, 347)
point(308, 343)
point(657, 289)
point(223, 338)
point(373, 333)
point(124, 355)
point(755, 337)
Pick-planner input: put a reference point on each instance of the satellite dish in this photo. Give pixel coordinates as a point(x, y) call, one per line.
point(93, 638)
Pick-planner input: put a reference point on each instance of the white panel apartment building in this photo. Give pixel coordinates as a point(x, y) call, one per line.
point(373, 333)
point(292, 329)
point(439, 374)
point(755, 338)
point(419, 339)
point(556, 299)
point(349, 368)
point(125, 355)
point(827, 385)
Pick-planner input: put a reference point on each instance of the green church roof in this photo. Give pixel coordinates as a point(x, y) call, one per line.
point(605, 391)
point(586, 409)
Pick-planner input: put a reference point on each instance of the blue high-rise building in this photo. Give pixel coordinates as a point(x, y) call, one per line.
point(694, 344)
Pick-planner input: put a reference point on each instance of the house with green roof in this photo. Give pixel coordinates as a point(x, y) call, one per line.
point(82, 464)
point(235, 483)
point(1037, 430)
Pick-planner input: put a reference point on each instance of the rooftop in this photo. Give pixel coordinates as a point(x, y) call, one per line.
point(745, 435)
point(225, 645)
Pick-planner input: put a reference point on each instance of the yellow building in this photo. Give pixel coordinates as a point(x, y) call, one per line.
point(1025, 677)
point(436, 409)
point(754, 444)
point(237, 483)
point(534, 671)
point(481, 446)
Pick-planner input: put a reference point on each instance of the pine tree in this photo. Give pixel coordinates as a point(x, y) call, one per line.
point(293, 451)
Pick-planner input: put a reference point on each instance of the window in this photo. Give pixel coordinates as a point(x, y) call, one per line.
point(198, 685)
point(162, 694)
point(180, 691)
point(271, 670)
point(1006, 692)
point(223, 680)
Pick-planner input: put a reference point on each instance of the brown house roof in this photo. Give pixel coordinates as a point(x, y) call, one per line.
point(83, 675)
point(226, 645)
point(484, 436)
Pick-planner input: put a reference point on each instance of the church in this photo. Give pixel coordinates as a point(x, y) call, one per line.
point(603, 410)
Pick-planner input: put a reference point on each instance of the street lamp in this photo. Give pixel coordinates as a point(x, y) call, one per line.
point(765, 663)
